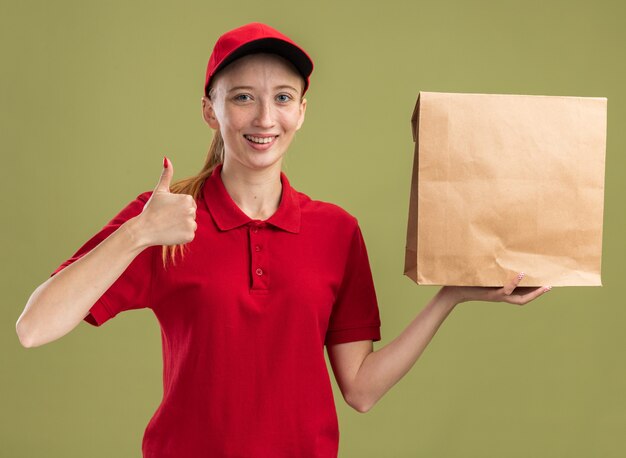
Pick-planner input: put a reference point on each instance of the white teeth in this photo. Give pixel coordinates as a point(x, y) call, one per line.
point(259, 139)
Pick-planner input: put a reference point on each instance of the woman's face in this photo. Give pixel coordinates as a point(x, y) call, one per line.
point(257, 106)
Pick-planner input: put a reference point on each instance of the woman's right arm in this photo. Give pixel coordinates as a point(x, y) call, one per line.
point(60, 303)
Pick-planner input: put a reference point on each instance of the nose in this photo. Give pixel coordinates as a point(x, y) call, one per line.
point(265, 114)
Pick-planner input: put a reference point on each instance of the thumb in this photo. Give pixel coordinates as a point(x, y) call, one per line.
point(166, 176)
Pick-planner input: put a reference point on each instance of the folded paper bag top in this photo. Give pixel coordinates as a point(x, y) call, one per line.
point(503, 184)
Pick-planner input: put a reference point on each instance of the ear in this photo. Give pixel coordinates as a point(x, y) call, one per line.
point(302, 112)
point(208, 113)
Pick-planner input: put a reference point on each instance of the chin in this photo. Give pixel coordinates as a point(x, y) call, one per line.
point(261, 163)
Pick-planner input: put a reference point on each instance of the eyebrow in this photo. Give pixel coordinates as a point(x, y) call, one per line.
point(283, 86)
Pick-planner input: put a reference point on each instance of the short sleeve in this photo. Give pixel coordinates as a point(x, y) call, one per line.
point(132, 289)
point(355, 314)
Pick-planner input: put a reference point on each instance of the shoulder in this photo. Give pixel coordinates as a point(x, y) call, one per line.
point(329, 214)
point(132, 208)
point(137, 204)
point(141, 198)
point(144, 196)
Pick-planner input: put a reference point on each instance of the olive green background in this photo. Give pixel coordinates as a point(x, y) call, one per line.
point(93, 94)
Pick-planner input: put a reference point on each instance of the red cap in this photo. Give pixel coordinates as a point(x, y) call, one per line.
point(252, 38)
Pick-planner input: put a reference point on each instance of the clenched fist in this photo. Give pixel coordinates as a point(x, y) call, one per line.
point(167, 218)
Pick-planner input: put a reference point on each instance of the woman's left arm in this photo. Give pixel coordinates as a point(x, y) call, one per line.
point(364, 375)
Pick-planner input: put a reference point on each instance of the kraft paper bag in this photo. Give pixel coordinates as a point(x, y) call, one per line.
point(504, 184)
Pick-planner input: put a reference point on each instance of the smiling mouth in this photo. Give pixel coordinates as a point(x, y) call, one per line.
point(260, 140)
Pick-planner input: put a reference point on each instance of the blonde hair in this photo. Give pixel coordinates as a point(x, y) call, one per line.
point(193, 186)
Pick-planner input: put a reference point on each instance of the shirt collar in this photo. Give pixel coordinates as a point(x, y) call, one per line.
point(227, 215)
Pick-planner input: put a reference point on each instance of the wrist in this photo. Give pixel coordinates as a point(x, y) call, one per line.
point(133, 229)
point(450, 296)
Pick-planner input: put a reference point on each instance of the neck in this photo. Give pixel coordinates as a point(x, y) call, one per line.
point(256, 193)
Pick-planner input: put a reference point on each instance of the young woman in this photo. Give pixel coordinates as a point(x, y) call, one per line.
point(248, 278)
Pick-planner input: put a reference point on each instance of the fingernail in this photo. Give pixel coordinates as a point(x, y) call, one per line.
point(521, 275)
point(164, 162)
point(547, 288)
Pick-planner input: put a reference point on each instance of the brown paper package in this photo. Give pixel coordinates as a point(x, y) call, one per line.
point(504, 184)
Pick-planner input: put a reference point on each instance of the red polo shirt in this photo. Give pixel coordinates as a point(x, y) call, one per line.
point(244, 318)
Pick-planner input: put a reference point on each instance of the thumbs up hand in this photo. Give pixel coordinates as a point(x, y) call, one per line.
point(168, 218)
